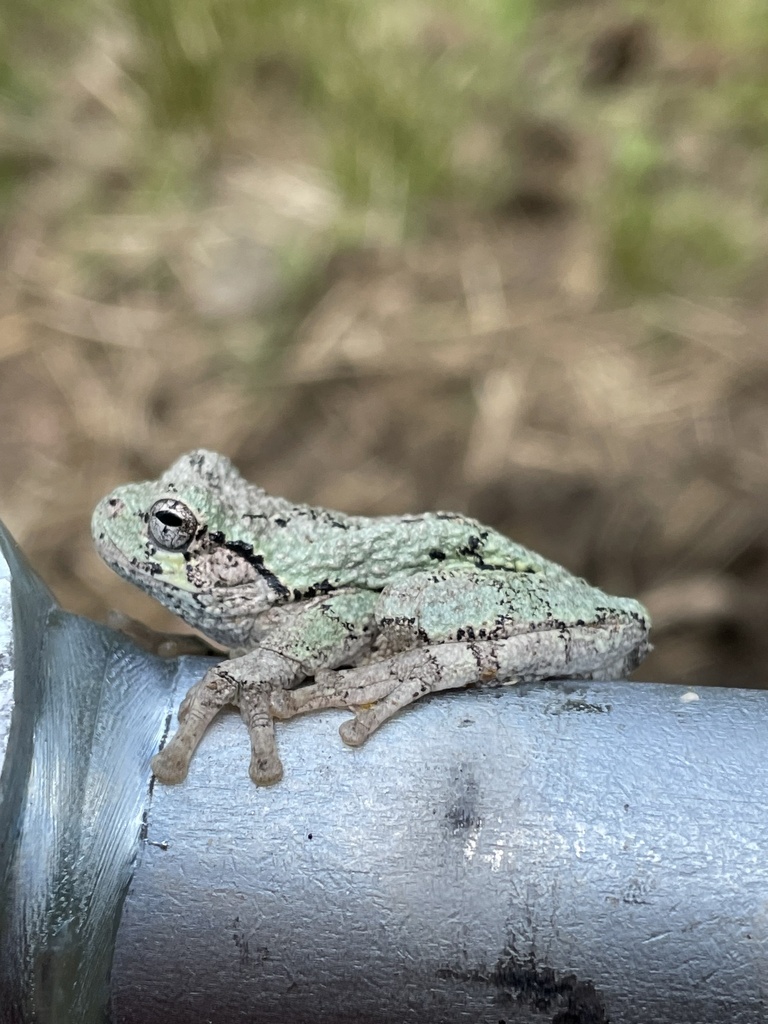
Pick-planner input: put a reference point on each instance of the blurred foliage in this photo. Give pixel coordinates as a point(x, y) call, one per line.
point(662, 232)
point(398, 95)
point(738, 24)
point(388, 100)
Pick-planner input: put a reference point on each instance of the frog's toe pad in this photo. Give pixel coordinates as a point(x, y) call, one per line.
point(265, 770)
point(170, 766)
point(354, 732)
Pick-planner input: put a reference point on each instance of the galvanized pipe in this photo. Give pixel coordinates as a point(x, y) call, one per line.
point(570, 852)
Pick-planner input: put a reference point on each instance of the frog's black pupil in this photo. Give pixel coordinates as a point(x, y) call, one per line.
point(169, 518)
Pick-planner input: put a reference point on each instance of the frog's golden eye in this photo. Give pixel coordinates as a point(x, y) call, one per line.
point(172, 525)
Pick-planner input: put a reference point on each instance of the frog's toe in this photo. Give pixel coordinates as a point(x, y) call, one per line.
point(328, 691)
point(354, 732)
point(265, 769)
point(170, 766)
point(198, 696)
point(184, 707)
point(255, 711)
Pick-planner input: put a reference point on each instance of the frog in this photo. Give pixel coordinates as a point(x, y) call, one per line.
point(318, 609)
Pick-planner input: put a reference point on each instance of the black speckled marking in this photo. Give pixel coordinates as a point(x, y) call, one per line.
point(150, 568)
point(397, 620)
point(473, 543)
point(323, 587)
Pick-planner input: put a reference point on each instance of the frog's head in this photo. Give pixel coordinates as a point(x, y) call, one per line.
point(179, 538)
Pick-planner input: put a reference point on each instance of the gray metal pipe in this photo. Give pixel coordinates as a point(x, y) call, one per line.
point(578, 853)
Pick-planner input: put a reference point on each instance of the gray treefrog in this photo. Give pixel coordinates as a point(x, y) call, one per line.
point(376, 611)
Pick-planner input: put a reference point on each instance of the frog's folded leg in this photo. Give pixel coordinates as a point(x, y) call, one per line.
point(395, 682)
point(523, 628)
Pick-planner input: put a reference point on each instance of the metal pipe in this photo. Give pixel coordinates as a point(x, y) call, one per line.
point(567, 852)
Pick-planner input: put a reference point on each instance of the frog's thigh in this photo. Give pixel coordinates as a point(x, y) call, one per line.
point(479, 604)
point(441, 606)
point(395, 682)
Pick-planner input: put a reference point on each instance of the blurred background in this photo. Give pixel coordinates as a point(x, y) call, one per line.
point(500, 256)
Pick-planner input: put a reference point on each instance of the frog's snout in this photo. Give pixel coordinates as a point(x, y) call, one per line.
point(113, 507)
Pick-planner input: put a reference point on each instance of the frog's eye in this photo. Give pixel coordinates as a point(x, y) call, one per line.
point(172, 524)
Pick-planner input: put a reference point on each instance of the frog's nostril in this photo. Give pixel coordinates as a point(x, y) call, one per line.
point(114, 506)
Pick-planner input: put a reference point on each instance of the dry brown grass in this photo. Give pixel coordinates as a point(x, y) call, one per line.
point(481, 369)
point(459, 373)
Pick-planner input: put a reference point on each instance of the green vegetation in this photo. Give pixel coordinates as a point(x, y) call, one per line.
point(390, 85)
point(393, 91)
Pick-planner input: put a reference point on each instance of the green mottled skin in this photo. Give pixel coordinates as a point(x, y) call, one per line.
point(403, 605)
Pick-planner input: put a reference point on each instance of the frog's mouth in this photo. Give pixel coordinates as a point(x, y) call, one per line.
point(132, 567)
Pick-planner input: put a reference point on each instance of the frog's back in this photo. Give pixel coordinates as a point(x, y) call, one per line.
point(311, 549)
point(370, 552)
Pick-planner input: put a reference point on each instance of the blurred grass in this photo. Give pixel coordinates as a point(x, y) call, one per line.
point(393, 93)
point(388, 99)
point(741, 23)
point(665, 231)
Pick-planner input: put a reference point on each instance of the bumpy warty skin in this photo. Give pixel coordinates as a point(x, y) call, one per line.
point(320, 589)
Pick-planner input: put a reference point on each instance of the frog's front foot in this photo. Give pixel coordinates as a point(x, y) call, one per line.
point(201, 704)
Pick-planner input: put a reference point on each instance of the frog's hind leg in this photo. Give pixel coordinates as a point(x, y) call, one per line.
point(414, 674)
point(454, 629)
point(393, 683)
point(575, 652)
